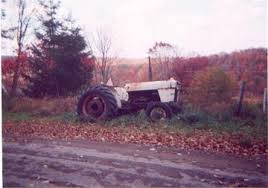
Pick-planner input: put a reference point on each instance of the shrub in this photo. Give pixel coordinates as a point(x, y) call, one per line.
point(45, 106)
point(252, 111)
point(212, 90)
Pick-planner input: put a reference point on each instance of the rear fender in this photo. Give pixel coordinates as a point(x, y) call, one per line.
point(166, 95)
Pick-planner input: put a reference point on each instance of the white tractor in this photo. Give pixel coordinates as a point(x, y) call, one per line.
point(159, 99)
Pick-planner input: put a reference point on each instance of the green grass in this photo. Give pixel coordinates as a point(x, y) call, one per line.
point(16, 117)
point(67, 117)
point(247, 127)
point(24, 116)
point(131, 119)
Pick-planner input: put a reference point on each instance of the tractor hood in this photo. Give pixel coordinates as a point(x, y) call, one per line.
point(154, 85)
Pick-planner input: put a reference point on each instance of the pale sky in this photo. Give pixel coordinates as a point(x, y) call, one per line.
point(201, 26)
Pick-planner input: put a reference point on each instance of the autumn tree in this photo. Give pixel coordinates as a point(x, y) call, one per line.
point(20, 30)
point(250, 66)
point(8, 66)
point(59, 60)
point(211, 86)
point(163, 55)
point(186, 67)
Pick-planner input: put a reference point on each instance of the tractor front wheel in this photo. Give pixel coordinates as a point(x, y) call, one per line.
point(158, 111)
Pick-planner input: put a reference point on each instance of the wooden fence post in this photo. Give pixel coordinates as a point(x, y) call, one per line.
point(264, 102)
point(241, 96)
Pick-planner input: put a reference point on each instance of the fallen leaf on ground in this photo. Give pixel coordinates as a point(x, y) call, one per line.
point(204, 140)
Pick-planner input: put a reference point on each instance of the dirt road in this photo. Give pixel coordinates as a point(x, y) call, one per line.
point(43, 163)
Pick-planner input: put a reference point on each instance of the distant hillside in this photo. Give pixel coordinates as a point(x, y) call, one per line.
point(128, 61)
point(248, 65)
point(132, 61)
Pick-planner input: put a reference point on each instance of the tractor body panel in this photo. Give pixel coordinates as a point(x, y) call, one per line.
point(162, 91)
point(167, 95)
point(122, 93)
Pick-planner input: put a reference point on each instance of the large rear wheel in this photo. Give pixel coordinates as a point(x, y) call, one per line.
point(98, 103)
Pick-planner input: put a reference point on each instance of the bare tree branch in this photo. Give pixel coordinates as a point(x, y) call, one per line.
point(163, 54)
point(103, 45)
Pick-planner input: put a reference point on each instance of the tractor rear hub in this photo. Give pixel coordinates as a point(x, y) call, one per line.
point(95, 107)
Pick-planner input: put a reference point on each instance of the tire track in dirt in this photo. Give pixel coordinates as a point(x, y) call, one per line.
point(43, 164)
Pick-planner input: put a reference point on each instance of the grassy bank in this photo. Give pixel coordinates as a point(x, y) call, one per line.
point(251, 123)
point(247, 127)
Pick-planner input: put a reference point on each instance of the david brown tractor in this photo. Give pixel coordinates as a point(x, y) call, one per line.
point(159, 99)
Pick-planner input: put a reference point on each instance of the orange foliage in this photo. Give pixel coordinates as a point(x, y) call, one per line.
point(9, 63)
point(211, 86)
point(8, 68)
point(247, 65)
